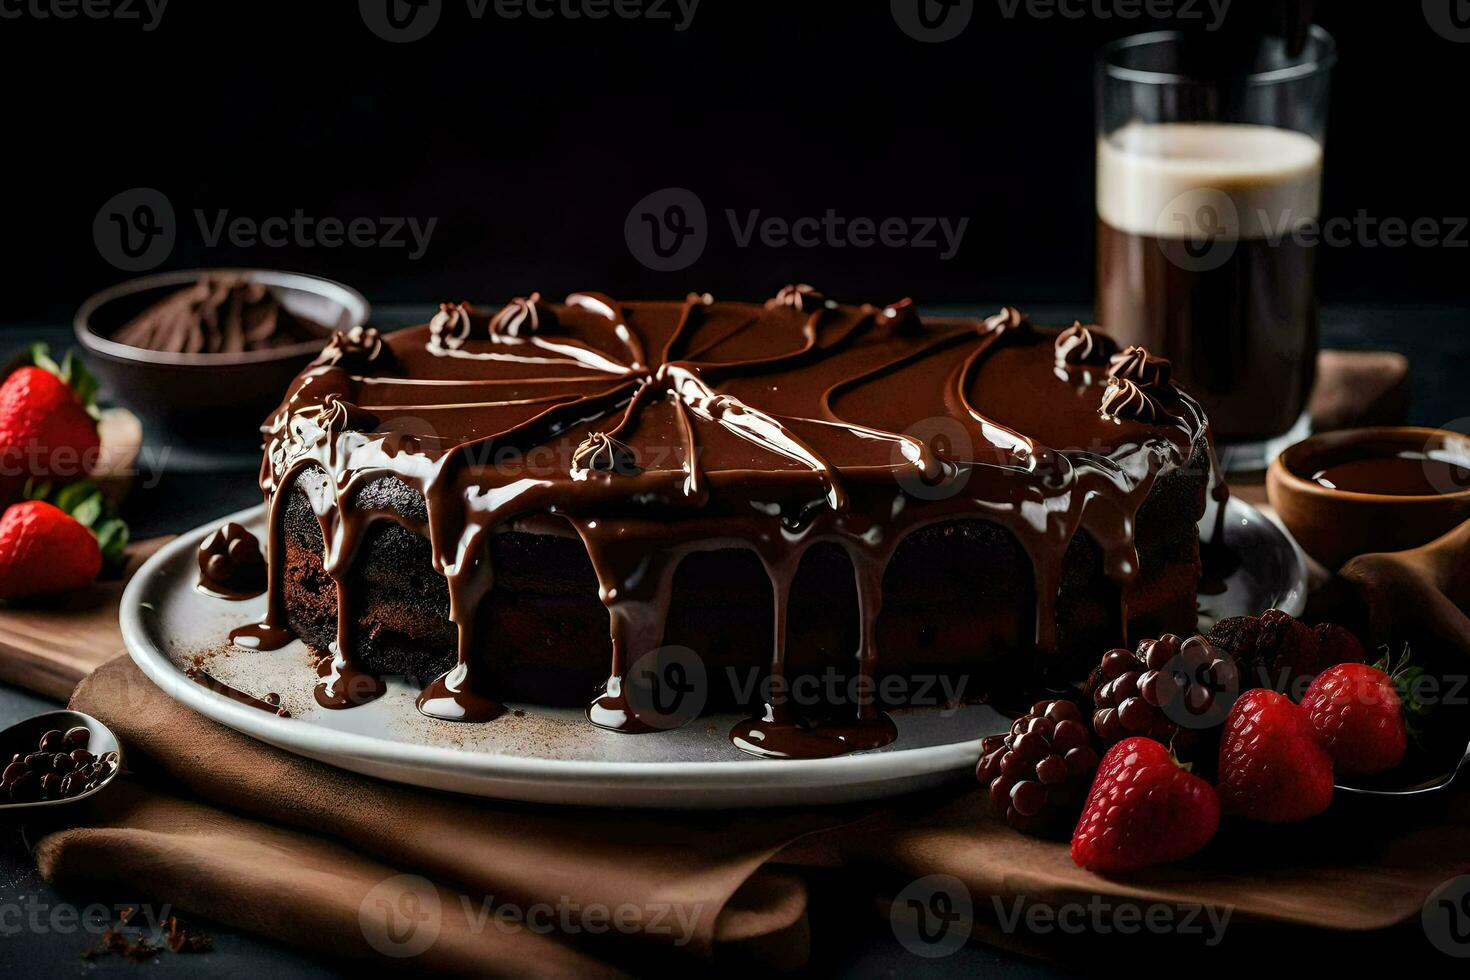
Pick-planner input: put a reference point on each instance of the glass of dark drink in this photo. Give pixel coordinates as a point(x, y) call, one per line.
point(1209, 175)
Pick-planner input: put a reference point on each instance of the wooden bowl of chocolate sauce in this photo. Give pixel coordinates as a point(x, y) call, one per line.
point(1364, 491)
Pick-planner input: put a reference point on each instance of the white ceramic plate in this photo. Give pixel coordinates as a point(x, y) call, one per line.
point(545, 755)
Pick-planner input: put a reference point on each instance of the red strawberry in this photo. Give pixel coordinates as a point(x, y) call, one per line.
point(1361, 714)
point(1272, 767)
point(46, 429)
point(43, 551)
point(1143, 810)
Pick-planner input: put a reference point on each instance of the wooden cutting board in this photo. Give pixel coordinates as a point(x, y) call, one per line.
point(47, 647)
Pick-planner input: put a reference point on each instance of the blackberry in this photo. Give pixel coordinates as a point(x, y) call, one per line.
point(1039, 774)
point(1171, 690)
point(1284, 654)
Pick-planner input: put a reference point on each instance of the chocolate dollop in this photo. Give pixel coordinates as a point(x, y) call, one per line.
point(902, 315)
point(1140, 367)
point(602, 453)
point(231, 563)
point(357, 349)
point(337, 415)
point(1009, 318)
point(1125, 400)
point(1079, 345)
point(521, 317)
point(800, 297)
point(451, 326)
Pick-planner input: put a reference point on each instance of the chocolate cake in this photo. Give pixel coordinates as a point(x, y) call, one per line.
point(537, 504)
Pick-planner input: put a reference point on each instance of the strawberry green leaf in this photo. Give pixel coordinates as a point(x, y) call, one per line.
point(112, 539)
point(40, 356)
point(72, 497)
point(89, 511)
point(71, 371)
point(88, 506)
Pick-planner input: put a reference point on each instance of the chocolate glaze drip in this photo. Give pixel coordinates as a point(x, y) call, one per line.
point(271, 702)
point(1140, 367)
point(773, 427)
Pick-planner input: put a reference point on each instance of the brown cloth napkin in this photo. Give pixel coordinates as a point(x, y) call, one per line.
point(222, 826)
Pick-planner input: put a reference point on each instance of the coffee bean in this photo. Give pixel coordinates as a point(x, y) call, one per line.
point(78, 737)
point(81, 756)
point(52, 741)
point(13, 772)
point(69, 786)
point(24, 789)
point(39, 762)
point(62, 763)
point(50, 786)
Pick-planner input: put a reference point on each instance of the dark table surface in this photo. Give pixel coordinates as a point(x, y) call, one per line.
point(192, 486)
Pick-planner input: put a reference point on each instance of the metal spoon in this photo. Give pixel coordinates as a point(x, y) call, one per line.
point(25, 737)
point(1435, 784)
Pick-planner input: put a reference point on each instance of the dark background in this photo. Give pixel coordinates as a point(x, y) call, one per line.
point(531, 140)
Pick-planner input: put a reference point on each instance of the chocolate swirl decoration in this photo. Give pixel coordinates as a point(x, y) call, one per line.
point(1140, 367)
point(1078, 345)
point(800, 297)
point(521, 317)
point(338, 415)
point(358, 349)
point(1009, 318)
point(601, 453)
point(1125, 400)
point(451, 326)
